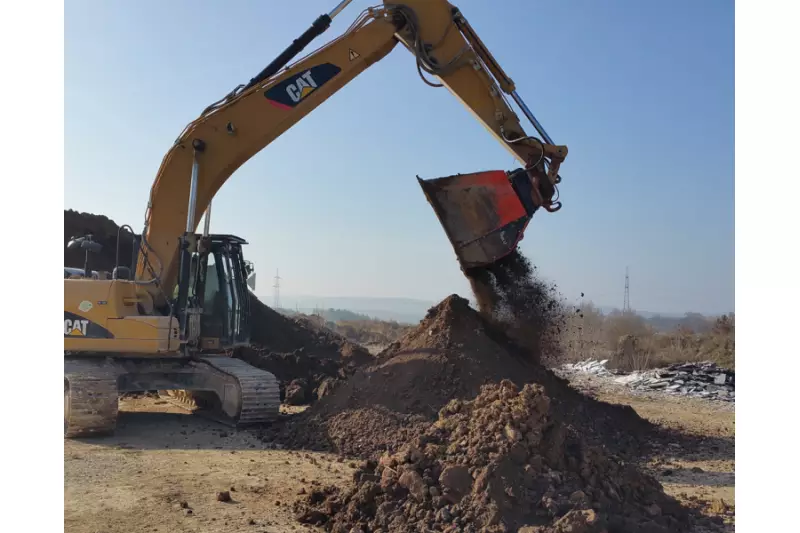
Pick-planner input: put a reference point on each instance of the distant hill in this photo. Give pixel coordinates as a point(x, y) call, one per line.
point(411, 311)
point(697, 322)
point(404, 310)
point(330, 315)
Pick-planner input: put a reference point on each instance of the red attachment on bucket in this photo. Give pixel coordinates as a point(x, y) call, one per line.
point(481, 213)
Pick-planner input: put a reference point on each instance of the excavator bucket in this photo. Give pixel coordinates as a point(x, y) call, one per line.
point(483, 214)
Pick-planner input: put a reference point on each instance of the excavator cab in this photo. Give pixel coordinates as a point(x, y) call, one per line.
point(213, 300)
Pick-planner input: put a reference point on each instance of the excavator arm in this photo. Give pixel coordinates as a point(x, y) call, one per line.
point(448, 53)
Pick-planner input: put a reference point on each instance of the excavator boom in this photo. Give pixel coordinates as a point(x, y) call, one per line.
point(449, 54)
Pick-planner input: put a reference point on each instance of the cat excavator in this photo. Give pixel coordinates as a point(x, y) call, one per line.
point(171, 319)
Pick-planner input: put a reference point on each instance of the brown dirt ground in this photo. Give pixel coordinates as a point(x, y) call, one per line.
point(135, 480)
point(697, 466)
point(161, 456)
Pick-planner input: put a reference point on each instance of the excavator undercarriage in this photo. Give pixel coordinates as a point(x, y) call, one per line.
point(224, 388)
point(184, 358)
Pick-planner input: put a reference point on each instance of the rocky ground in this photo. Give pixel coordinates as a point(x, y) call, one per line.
point(698, 466)
point(163, 469)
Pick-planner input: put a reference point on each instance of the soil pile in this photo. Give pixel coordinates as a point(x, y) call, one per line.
point(309, 361)
point(281, 334)
point(497, 463)
point(450, 355)
point(103, 231)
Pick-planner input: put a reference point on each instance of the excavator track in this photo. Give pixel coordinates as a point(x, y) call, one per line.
point(91, 400)
point(259, 391)
point(258, 397)
point(221, 388)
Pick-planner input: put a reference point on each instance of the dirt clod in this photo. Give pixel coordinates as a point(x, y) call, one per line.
point(296, 392)
point(224, 496)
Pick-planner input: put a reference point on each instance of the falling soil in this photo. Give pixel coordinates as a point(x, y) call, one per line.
point(510, 294)
point(450, 355)
point(497, 463)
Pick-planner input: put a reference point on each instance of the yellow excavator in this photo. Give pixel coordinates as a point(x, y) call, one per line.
point(170, 320)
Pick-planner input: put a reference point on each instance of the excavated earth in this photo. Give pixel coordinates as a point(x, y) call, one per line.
point(500, 462)
point(461, 430)
point(309, 362)
point(450, 355)
point(103, 231)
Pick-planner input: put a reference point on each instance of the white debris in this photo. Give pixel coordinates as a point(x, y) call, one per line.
point(591, 366)
point(702, 380)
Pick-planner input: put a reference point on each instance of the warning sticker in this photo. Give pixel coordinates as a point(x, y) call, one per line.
point(354, 54)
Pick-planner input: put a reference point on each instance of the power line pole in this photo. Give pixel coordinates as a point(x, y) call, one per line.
point(277, 291)
point(626, 305)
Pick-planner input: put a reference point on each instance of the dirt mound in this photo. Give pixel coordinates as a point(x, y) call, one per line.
point(309, 361)
point(104, 231)
point(303, 379)
point(497, 463)
point(277, 333)
point(451, 354)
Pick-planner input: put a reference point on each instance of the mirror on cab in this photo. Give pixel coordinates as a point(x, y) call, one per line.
point(251, 275)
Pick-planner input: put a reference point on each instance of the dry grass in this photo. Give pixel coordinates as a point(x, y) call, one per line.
point(629, 343)
point(366, 332)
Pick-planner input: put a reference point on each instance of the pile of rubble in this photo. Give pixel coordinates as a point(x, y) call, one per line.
point(699, 380)
point(703, 380)
point(590, 366)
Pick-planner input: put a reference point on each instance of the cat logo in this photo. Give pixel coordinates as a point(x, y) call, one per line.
point(301, 87)
point(75, 327)
point(294, 89)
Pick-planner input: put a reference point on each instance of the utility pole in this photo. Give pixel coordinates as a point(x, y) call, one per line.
point(626, 305)
point(277, 291)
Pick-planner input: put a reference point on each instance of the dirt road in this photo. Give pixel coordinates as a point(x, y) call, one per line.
point(163, 469)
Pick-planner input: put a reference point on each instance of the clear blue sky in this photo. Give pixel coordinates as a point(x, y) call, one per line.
point(641, 92)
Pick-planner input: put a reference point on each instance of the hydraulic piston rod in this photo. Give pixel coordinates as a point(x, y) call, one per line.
point(199, 146)
point(521, 103)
